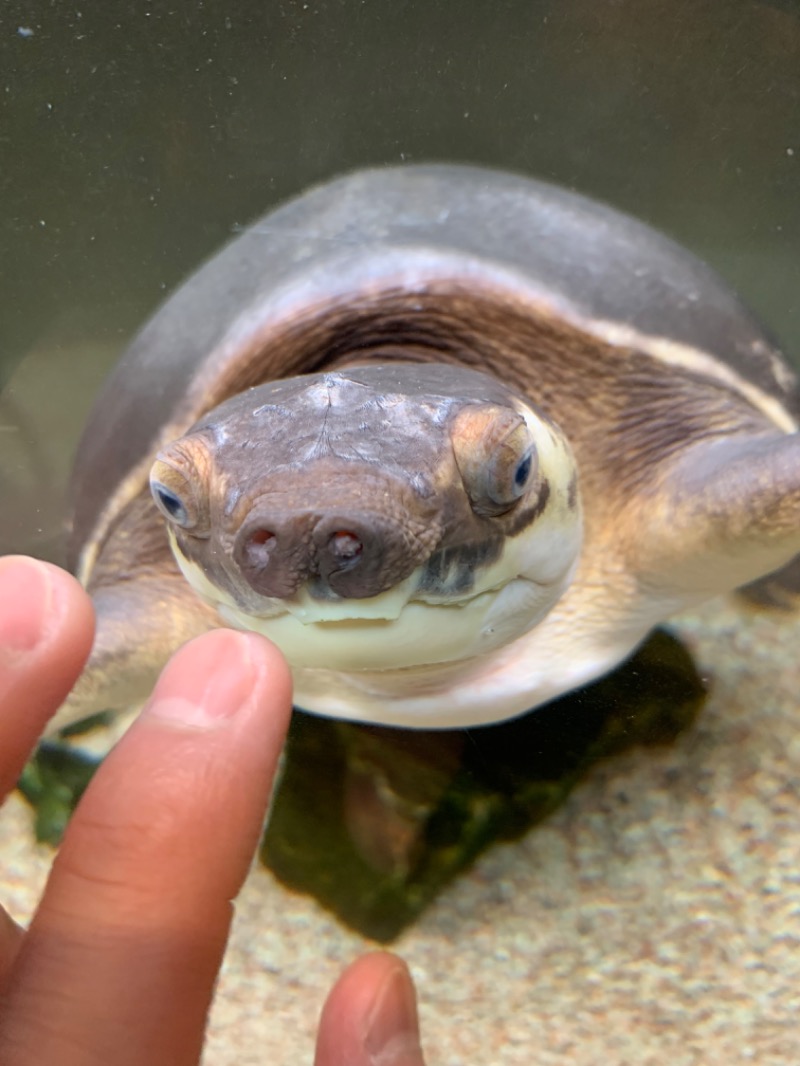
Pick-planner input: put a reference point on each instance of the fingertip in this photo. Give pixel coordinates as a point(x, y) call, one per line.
point(46, 633)
point(40, 602)
point(217, 675)
point(370, 1016)
point(74, 617)
point(270, 699)
point(275, 676)
point(392, 1027)
point(184, 790)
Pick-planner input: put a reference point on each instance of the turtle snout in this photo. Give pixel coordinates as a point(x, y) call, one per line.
point(352, 555)
point(271, 554)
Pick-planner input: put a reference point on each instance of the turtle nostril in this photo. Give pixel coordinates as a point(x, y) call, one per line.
point(345, 545)
point(258, 547)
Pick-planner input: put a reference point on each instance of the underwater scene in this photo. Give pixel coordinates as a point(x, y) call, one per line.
point(543, 485)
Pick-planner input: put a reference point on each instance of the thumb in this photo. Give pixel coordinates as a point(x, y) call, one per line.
point(370, 1016)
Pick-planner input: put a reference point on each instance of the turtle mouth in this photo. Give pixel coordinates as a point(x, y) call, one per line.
point(310, 609)
point(313, 604)
point(409, 625)
point(420, 634)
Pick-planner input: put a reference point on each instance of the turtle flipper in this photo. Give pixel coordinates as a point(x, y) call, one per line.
point(730, 516)
point(140, 624)
point(779, 590)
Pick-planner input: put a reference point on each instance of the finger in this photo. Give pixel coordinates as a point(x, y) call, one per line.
point(11, 936)
point(370, 1016)
point(46, 627)
point(46, 630)
point(121, 958)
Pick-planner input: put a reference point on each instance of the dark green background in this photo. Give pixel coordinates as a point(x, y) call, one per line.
point(136, 137)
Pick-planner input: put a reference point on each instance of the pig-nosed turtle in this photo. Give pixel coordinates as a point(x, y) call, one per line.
point(454, 439)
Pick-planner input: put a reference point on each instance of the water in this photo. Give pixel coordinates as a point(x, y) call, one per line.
point(135, 139)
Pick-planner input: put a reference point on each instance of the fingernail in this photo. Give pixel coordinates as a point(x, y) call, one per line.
point(393, 1028)
point(25, 594)
point(204, 689)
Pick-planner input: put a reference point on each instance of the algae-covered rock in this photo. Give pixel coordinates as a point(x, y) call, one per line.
point(374, 821)
point(52, 782)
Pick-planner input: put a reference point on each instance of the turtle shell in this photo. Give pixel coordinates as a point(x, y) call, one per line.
point(358, 263)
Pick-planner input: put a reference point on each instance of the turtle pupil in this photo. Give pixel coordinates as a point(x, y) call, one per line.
point(523, 472)
point(172, 505)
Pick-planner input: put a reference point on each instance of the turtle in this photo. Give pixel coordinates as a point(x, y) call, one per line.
point(455, 439)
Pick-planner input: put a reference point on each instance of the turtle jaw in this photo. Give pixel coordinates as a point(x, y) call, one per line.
point(398, 629)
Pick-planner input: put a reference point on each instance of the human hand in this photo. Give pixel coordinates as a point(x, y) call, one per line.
point(121, 957)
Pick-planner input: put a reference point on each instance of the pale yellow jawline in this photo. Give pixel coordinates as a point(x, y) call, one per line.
point(695, 360)
point(358, 635)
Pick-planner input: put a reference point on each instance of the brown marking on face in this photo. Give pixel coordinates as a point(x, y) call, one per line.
point(572, 493)
point(526, 516)
point(452, 571)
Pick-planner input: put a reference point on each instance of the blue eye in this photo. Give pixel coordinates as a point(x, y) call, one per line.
point(495, 451)
point(523, 472)
point(170, 504)
point(179, 491)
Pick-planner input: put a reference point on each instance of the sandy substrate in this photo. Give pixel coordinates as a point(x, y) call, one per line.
point(655, 918)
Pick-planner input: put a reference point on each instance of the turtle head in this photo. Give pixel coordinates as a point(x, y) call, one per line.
point(377, 517)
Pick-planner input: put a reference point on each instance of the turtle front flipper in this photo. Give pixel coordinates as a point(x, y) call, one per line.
point(139, 625)
point(730, 513)
point(779, 591)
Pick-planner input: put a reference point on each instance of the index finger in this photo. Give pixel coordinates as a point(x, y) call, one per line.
point(120, 961)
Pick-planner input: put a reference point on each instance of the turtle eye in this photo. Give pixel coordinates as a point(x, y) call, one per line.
point(179, 497)
point(509, 468)
point(522, 473)
point(170, 503)
point(496, 456)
